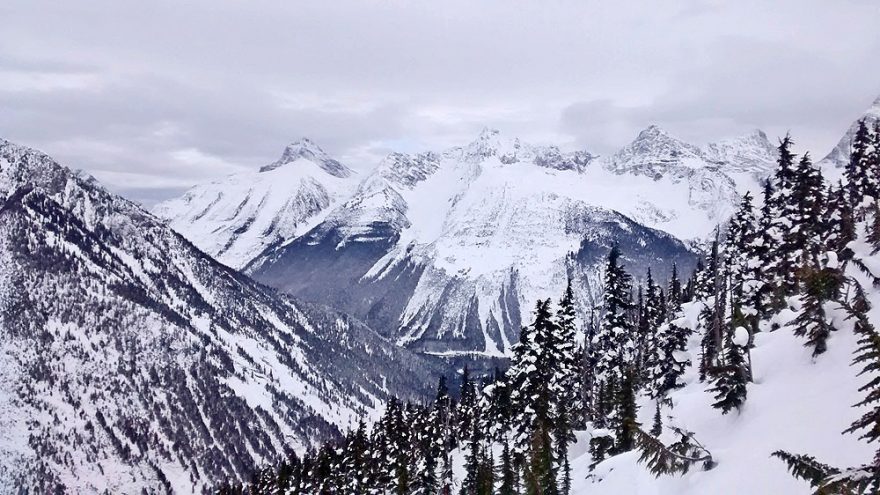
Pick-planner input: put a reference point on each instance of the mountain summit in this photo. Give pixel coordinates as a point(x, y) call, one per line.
point(236, 218)
point(446, 251)
point(307, 149)
point(132, 362)
point(839, 155)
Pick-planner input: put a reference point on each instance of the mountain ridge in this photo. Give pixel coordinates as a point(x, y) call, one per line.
point(134, 361)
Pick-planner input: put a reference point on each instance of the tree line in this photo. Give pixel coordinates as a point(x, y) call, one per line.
point(515, 427)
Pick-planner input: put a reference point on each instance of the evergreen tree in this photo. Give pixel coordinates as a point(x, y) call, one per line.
point(615, 349)
point(759, 285)
point(467, 404)
point(531, 378)
point(508, 472)
point(858, 183)
point(783, 211)
point(839, 222)
point(473, 462)
point(741, 233)
point(713, 315)
point(730, 379)
point(807, 226)
point(614, 342)
point(653, 316)
point(625, 412)
point(874, 163)
point(674, 299)
point(588, 372)
point(657, 427)
point(820, 286)
point(672, 360)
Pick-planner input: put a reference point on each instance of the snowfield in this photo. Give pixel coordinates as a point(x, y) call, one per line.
point(465, 240)
point(796, 404)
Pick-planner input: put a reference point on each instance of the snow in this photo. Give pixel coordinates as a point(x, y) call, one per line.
point(480, 212)
point(234, 219)
point(797, 403)
point(741, 337)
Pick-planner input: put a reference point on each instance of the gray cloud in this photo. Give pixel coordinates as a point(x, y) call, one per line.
point(152, 98)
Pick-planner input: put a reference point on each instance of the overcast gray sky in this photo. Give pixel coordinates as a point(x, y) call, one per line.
point(151, 97)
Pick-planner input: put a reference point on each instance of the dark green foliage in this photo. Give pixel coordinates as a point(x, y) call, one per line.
point(858, 182)
point(868, 356)
point(674, 299)
point(508, 472)
point(657, 427)
point(625, 413)
point(806, 467)
point(675, 459)
point(807, 225)
point(820, 286)
point(839, 224)
point(730, 379)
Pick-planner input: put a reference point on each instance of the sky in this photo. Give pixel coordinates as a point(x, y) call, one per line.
point(153, 97)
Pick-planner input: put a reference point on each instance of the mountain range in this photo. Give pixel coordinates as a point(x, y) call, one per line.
point(132, 360)
point(445, 252)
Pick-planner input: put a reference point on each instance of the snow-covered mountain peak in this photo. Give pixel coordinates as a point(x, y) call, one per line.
point(753, 153)
point(654, 153)
point(490, 142)
point(155, 363)
point(307, 149)
point(839, 156)
point(875, 108)
point(653, 131)
point(237, 217)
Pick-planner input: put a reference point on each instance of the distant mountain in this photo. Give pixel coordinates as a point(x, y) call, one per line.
point(692, 189)
point(132, 361)
point(445, 252)
point(448, 251)
point(234, 219)
point(839, 156)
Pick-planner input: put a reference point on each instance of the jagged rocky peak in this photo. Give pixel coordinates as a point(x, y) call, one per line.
point(407, 170)
point(307, 149)
point(491, 142)
point(752, 152)
point(654, 153)
point(839, 156)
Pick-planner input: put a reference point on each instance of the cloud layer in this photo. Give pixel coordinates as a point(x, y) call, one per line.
point(153, 97)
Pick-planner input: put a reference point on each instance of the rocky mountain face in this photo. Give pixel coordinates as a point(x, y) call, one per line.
point(234, 219)
point(446, 252)
point(839, 156)
point(133, 361)
point(711, 180)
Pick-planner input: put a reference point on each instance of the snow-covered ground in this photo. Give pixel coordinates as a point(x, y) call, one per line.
point(796, 404)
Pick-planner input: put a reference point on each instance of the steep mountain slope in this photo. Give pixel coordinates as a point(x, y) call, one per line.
point(839, 156)
point(132, 361)
point(448, 251)
point(798, 403)
point(692, 190)
point(234, 219)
